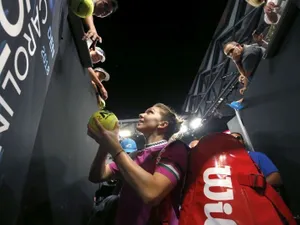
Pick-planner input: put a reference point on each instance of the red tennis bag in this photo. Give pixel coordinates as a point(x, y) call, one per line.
point(224, 187)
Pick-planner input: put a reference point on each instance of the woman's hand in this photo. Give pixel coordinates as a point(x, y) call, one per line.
point(242, 79)
point(93, 35)
point(257, 37)
point(104, 92)
point(242, 90)
point(106, 138)
point(94, 78)
point(270, 7)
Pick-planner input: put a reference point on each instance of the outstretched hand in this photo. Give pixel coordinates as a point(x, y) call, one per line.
point(109, 139)
point(93, 35)
point(94, 77)
point(270, 7)
point(242, 90)
point(104, 93)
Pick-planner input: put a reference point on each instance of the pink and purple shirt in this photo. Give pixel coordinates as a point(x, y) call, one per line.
point(173, 164)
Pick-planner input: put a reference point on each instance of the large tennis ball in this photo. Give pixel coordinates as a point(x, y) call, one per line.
point(82, 8)
point(107, 119)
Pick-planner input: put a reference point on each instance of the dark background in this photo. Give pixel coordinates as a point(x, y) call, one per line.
point(154, 50)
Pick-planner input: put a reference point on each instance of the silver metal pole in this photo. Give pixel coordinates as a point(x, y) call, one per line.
point(245, 133)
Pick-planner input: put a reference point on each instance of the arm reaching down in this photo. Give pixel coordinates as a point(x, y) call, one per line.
point(94, 77)
point(274, 179)
point(271, 17)
point(99, 171)
point(152, 188)
point(92, 32)
point(243, 80)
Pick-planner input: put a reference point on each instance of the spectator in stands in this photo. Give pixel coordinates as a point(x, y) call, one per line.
point(102, 8)
point(246, 59)
point(259, 39)
point(100, 90)
point(260, 33)
point(128, 145)
point(266, 166)
point(273, 9)
point(156, 173)
point(97, 55)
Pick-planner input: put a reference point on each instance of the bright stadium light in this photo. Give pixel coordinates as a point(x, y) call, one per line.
point(196, 123)
point(183, 128)
point(125, 133)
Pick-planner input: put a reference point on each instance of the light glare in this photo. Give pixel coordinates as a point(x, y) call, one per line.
point(183, 128)
point(196, 123)
point(125, 133)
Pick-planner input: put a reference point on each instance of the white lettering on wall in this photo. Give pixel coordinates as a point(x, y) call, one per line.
point(12, 30)
point(4, 56)
point(31, 32)
point(44, 20)
point(31, 41)
point(36, 22)
point(4, 124)
point(20, 76)
point(10, 77)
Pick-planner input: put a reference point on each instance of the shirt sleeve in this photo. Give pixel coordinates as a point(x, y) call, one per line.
point(115, 169)
point(173, 162)
point(266, 165)
point(250, 62)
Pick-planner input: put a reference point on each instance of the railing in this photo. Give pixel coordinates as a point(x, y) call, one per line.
point(229, 87)
point(219, 70)
point(211, 85)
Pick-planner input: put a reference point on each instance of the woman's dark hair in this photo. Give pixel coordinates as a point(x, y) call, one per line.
point(174, 121)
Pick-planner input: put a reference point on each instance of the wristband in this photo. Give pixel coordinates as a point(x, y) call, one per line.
point(117, 154)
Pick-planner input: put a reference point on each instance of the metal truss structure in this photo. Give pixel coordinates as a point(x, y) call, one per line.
point(217, 79)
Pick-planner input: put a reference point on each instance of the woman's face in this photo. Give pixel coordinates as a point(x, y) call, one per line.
point(150, 121)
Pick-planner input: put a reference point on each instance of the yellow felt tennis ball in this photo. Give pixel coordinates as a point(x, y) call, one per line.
point(82, 8)
point(101, 104)
point(107, 119)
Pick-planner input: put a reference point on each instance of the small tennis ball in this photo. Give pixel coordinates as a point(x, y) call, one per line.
point(101, 104)
point(82, 8)
point(107, 119)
